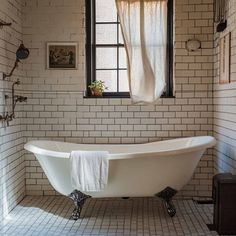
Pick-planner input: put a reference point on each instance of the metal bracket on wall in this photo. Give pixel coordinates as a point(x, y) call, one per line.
point(3, 23)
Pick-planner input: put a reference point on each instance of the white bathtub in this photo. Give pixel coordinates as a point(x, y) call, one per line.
point(136, 170)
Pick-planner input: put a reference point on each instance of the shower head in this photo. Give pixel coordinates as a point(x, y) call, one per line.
point(22, 52)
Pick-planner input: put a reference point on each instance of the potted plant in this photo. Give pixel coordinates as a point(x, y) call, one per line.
point(97, 87)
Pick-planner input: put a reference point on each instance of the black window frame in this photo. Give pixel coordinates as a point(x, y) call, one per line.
point(91, 49)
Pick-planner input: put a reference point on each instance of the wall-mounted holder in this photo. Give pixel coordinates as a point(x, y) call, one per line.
point(21, 54)
point(15, 99)
point(193, 45)
point(3, 23)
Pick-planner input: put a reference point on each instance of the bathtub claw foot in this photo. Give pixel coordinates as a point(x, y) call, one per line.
point(79, 199)
point(166, 195)
point(76, 214)
point(170, 208)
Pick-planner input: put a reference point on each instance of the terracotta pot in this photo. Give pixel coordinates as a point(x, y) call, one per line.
point(96, 92)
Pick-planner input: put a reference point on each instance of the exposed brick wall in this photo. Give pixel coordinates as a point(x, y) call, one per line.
point(57, 110)
point(12, 171)
point(224, 103)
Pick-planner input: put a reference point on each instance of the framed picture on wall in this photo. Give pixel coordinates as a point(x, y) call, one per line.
point(225, 48)
point(61, 55)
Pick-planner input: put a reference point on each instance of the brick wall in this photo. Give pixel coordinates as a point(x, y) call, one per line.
point(12, 184)
point(57, 110)
point(224, 103)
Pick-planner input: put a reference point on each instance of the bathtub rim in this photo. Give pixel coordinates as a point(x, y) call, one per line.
point(210, 142)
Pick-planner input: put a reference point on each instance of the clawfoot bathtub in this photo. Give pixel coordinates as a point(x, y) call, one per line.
point(136, 170)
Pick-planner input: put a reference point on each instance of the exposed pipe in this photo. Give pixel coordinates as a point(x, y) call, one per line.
point(15, 99)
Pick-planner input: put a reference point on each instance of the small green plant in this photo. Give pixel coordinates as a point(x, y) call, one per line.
point(97, 87)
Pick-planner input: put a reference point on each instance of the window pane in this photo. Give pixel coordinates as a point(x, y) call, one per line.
point(122, 58)
point(120, 36)
point(109, 77)
point(123, 81)
point(106, 58)
point(106, 34)
point(106, 11)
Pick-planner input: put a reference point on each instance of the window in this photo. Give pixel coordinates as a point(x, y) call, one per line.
point(105, 52)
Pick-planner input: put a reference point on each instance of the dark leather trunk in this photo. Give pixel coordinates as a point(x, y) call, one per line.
point(224, 198)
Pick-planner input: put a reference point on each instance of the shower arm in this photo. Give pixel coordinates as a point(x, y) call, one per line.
point(21, 54)
point(12, 70)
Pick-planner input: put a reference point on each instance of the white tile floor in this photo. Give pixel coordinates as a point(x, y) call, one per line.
point(113, 217)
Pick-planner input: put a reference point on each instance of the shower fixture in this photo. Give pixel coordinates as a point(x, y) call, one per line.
point(21, 54)
point(20, 99)
point(15, 100)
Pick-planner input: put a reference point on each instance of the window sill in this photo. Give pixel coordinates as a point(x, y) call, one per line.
point(119, 96)
point(114, 96)
point(164, 96)
point(109, 95)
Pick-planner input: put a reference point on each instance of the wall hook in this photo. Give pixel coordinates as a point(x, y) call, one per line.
point(3, 23)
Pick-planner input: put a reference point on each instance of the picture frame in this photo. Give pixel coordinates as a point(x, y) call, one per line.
point(225, 51)
point(61, 55)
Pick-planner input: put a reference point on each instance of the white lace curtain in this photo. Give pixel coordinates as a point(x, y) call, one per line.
point(144, 27)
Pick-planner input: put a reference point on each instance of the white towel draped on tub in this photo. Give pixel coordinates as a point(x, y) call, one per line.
point(89, 170)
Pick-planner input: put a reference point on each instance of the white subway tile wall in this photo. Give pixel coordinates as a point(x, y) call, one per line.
point(12, 167)
point(224, 103)
point(57, 110)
